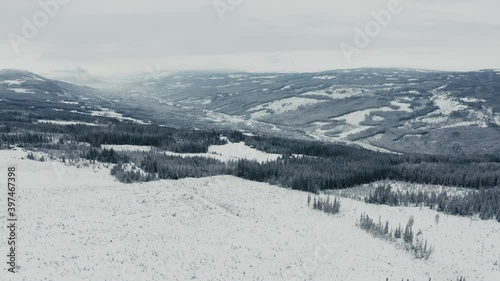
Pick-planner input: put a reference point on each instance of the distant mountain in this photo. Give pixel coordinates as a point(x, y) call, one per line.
point(24, 82)
point(23, 90)
point(399, 110)
point(79, 76)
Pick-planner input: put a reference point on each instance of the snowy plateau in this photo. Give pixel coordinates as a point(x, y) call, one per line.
point(79, 223)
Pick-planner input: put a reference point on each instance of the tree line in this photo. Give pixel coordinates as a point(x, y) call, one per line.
point(485, 202)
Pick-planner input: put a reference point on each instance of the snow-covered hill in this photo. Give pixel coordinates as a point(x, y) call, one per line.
point(399, 110)
point(81, 224)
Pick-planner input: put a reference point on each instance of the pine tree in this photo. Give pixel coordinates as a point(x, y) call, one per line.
point(397, 233)
point(408, 235)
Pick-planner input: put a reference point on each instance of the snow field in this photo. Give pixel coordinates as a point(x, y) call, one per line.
point(281, 106)
point(225, 153)
point(87, 226)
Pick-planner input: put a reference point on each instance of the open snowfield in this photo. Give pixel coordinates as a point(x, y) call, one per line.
point(81, 224)
point(224, 153)
point(281, 106)
point(67, 123)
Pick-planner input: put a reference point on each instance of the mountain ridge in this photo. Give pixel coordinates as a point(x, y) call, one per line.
point(400, 110)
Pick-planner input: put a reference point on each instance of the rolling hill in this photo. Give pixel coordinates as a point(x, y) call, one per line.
point(399, 110)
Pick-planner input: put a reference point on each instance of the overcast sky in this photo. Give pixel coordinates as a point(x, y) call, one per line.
point(115, 36)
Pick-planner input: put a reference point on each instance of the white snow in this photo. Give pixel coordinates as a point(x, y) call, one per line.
point(354, 119)
point(234, 151)
point(81, 224)
point(358, 129)
point(67, 123)
point(339, 93)
point(12, 82)
point(281, 106)
point(69, 102)
point(325, 77)
point(22, 91)
point(141, 148)
point(236, 76)
point(224, 153)
point(446, 104)
point(106, 112)
point(285, 88)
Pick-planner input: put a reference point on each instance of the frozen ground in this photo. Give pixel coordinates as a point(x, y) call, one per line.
point(281, 106)
point(225, 153)
point(235, 151)
point(80, 224)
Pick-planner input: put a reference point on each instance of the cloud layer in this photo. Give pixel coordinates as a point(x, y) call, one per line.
point(257, 35)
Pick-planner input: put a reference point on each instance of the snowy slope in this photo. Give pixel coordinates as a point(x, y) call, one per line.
point(80, 224)
point(224, 153)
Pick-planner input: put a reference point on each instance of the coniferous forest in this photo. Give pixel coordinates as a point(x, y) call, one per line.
point(485, 201)
point(304, 165)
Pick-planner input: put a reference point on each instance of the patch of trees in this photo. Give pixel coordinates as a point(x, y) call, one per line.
point(485, 202)
point(311, 174)
point(176, 140)
point(327, 205)
point(320, 166)
point(124, 174)
point(411, 243)
point(475, 172)
point(166, 138)
point(104, 155)
point(9, 138)
point(176, 167)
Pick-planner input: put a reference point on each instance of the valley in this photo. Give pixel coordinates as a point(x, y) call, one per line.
point(209, 176)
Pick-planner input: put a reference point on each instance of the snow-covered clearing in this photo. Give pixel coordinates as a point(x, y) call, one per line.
point(225, 153)
point(281, 106)
point(446, 104)
point(67, 123)
point(69, 102)
point(12, 82)
point(87, 226)
point(22, 91)
point(325, 77)
point(320, 135)
point(235, 151)
point(106, 112)
point(339, 93)
point(354, 119)
point(140, 148)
